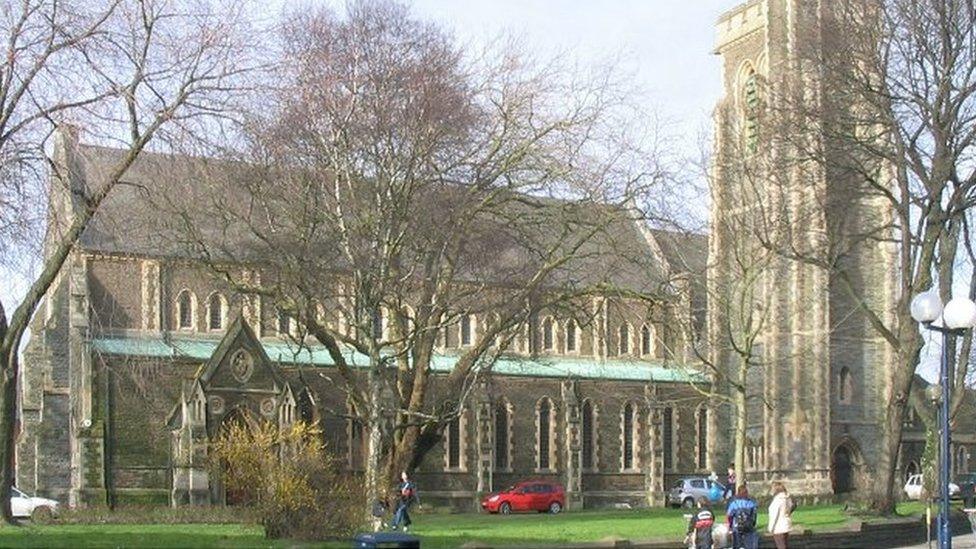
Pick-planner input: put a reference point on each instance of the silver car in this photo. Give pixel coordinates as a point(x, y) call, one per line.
point(686, 491)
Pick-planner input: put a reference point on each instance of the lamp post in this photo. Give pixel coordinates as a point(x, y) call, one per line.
point(957, 316)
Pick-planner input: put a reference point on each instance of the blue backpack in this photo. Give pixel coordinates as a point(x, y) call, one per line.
point(744, 519)
point(715, 492)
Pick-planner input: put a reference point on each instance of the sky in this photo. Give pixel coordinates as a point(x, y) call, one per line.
point(664, 45)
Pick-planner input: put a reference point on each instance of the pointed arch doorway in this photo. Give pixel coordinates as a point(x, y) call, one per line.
point(238, 418)
point(844, 466)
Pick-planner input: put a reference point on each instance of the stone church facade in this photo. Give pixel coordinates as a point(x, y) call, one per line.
point(139, 357)
point(815, 401)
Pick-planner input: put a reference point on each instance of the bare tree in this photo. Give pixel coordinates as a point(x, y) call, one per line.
point(399, 188)
point(132, 71)
point(886, 116)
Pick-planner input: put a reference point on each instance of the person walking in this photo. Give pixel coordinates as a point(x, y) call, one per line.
point(699, 533)
point(407, 492)
point(741, 515)
point(781, 515)
point(730, 483)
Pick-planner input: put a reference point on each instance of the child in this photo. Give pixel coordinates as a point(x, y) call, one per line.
point(700, 526)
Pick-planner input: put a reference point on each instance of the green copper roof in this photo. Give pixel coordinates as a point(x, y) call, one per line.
point(287, 353)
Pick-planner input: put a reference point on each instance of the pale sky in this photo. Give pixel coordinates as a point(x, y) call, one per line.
point(665, 44)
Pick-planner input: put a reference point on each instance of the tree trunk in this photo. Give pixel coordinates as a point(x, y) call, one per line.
point(403, 453)
point(8, 434)
point(883, 497)
point(374, 448)
point(8, 393)
point(740, 433)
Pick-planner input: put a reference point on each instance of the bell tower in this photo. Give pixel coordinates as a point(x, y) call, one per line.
point(760, 207)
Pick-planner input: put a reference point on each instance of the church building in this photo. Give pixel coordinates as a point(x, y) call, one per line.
point(138, 355)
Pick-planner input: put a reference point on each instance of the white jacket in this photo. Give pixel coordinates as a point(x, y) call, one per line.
point(780, 519)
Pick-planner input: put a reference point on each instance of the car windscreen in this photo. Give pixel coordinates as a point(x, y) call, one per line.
point(679, 484)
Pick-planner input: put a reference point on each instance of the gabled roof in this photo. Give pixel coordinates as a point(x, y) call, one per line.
point(232, 339)
point(137, 218)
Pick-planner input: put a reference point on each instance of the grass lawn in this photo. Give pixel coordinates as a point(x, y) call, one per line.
point(134, 535)
point(443, 531)
point(436, 531)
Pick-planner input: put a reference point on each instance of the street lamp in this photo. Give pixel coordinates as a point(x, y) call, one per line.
point(957, 316)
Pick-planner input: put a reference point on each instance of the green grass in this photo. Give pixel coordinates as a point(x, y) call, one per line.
point(443, 531)
point(134, 535)
point(436, 530)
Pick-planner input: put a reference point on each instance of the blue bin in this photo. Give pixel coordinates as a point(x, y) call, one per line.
point(386, 540)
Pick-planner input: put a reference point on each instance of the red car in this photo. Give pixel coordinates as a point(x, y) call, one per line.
point(533, 495)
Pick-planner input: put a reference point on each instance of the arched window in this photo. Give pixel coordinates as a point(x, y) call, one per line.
point(588, 441)
point(284, 323)
point(667, 438)
point(629, 434)
point(216, 311)
point(184, 310)
point(356, 436)
point(467, 330)
point(623, 340)
point(378, 327)
point(750, 110)
point(547, 334)
point(455, 442)
point(571, 332)
point(845, 386)
point(647, 341)
point(544, 435)
point(502, 442)
point(702, 437)
point(912, 469)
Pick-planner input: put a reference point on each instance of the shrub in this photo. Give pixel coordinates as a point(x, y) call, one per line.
point(295, 486)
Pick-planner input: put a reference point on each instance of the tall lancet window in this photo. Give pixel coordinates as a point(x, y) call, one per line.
point(184, 310)
point(750, 110)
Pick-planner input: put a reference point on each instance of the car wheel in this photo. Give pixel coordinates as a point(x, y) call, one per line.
point(42, 514)
point(505, 509)
point(555, 508)
point(688, 503)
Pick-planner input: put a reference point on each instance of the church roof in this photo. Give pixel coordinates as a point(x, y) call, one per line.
point(286, 353)
point(137, 218)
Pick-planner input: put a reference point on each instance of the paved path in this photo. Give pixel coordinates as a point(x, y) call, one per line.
point(962, 541)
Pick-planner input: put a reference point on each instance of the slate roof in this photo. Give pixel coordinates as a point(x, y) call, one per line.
point(138, 218)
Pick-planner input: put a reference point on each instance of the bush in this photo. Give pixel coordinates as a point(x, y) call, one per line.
point(294, 485)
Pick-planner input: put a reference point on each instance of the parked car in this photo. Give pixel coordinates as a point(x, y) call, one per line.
point(913, 487)
point(25, 506)
point(533, 495)
point(686, 491)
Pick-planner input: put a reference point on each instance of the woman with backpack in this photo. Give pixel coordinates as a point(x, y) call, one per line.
point(742, 513)
point(781, 515)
